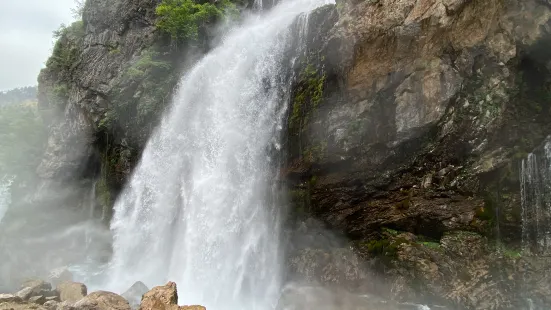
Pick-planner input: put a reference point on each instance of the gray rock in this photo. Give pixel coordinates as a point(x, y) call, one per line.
point(65, 305)
point(51, 304)
point(53, 298)
point(102, 300)
point(134, 294)
point(37, 285)
point(9, 298)
point(25, 293)
point(38, 299)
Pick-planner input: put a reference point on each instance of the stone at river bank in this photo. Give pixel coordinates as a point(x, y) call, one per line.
point(71, 291)
point(102, 300)
point(38, 295)
point(164, 298)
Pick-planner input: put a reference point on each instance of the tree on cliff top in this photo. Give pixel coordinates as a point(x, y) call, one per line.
point(183, 18)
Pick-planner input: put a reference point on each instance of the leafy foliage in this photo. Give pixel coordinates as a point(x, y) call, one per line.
point(22, 138)
point(67, 50)
point(183, 18)
point(18, 95)
point(149, 81)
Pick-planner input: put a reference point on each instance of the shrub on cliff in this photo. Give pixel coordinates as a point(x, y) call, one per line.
point(183, 18)
point(66, 53)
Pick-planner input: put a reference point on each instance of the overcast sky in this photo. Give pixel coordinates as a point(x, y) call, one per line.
point(26, 28)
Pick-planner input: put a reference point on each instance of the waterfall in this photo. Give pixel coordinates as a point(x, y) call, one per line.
point(201, 208)
point(5, 195)
point(535, 178)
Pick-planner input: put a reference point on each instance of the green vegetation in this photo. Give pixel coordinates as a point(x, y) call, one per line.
point(22, 139)
point(431, 245)
point(383, 247)
point(148, 64)
point(153, 78)
point(315, 152)
point(488, 211)
point(23, 95)
point(300, 200)
point(67, 50)
point(391, 232)
point(308, 94)
point(182, 19)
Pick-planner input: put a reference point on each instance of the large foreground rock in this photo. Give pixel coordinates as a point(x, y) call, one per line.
point(102, 300)
point(71, 291)
point(164, 298)
point(13, 302)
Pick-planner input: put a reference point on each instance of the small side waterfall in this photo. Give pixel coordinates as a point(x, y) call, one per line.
point(5, 195)
point(536, 201)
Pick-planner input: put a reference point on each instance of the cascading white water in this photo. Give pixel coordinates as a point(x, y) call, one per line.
point(536, 201)
point(5, 195)
point(200, 208)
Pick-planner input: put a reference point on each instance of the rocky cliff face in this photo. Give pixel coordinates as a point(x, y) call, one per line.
point(412, 116)
point(110, 75)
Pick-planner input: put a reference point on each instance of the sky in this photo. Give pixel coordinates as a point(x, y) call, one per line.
point(26, 42)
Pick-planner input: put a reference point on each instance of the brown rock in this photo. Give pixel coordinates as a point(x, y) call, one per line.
point(51, 304)
point(40, 299)
point(71, 291)
point(164, 298)
point(20, 306)
point(9, 298)
point(102, 300)
point(34, 288)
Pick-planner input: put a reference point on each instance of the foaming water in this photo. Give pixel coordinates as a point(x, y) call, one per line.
point(200, 208)
point(535, 178)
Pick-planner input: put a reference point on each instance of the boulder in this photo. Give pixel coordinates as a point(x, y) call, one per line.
point(37, 285)
point(102, 300)
point(35, 288)
point(52, 298)
point(71, 291)
point(134, 294)
point(9, 298)
point(21, 306)
point(51, 304)
point(40, 299)
point(25, 293)
point(65, 305)
point(161, 297)
point(164, 298)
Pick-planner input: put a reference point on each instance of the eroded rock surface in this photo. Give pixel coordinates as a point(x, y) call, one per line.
point(412, 116)
point(71, 291)
point(102, 300)
point(164, 298)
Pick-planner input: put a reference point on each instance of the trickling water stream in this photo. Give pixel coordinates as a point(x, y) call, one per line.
point(200, 208)
point(5, 195)
point(536, 201)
